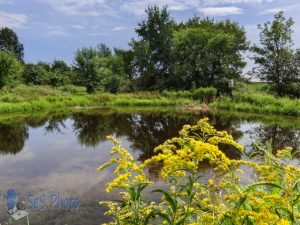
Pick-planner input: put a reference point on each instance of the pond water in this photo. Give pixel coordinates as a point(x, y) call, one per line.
point(55, 155)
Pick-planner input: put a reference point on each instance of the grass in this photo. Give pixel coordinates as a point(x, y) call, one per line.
point(252, 98)
point(40, 98)
point(255, 98)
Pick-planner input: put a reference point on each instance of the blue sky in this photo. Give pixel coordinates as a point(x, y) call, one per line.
point(55, 29)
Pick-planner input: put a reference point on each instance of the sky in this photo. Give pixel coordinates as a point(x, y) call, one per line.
point(55, 29)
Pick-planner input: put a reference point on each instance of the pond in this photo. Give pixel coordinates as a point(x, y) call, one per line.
point(50, 157)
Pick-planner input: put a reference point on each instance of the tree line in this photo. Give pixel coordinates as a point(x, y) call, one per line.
point(166, 56)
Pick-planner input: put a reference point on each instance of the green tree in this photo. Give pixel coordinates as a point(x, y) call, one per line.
point(127, 57)
point(115, 78)
point(207, 51)
point(153, 51)
point(275, 56)
point(59, 66)
point(35, 74)
point(99, 69)
point(88, 67)
point(9, 42)
point(103, 50)
point(10, 70)
point(60, 74)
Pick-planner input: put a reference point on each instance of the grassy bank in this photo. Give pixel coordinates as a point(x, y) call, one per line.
point(252, 98)
point(39, 98)
point(256, 98)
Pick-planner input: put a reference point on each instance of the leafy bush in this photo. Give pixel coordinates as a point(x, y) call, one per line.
point(177, 94)
point(207, 94)
point(291, 90)
point(72, 89)
point(10, 70)
point(268, 194)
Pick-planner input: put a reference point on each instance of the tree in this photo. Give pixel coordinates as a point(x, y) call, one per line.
point(10, 70)
point(152, 53)
point(206, 52)
point(87, 64)
point(98, 68)
point(127, 57)
point(35, 74)
point(275, 57)
point(103, 50)
point(60, 74)
point(115, 78)
point(9, 42)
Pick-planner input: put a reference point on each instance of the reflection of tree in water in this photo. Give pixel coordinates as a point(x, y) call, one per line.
point(231, 125)
point(91, 129)
point(12, 137)
point(56, 124)
point(37, 121)
point(146, 131)
point(280, 137)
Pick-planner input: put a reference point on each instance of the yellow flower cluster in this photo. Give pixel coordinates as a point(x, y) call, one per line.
point(127, 170)
point(270, 195)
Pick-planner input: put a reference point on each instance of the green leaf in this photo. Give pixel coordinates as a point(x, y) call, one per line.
point(132, 193)
point(263, 184)
point(169, 199)
point(282, 212)
point(164, 216)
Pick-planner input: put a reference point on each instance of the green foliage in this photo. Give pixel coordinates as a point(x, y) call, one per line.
point(10, 70)
point(98, 69)
point(55, 74)
point(9, 42)
point(205, 94)
point(88, 67)
point(177, 94)
point(291, 89)
point(277, 61)
point(34, 74)
point(206, 51)
point(255, 98)
point(152, 63)
point(72, 89)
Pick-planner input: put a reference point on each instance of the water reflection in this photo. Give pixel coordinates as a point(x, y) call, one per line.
point(12, 137)
point(279, 137)
point(61, 151)
point(143, 130)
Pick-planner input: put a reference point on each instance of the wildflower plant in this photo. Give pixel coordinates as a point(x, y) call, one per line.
point(261, 191)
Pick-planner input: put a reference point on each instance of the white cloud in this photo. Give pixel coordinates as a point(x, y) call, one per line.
point(77, 7)
point(119, 28)
point(285, 9)
point(137, 7)
point(12, 20)
point(223, 2)
point(57, 31)
point(220, 11)
point(76, 26)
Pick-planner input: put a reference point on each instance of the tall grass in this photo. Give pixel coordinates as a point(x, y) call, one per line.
point(38, 98)
point(255, 98)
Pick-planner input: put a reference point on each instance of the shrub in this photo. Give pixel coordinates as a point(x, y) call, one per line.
point(72, 89)
point(177, 94)
point(269, 194)
point(10, 70)
point(207, 94)
point(291, 90)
